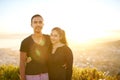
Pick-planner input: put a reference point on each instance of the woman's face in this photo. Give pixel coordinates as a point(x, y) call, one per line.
point(55, 37)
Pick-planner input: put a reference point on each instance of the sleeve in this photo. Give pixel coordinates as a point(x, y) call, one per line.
point(49, 47)
point(23, 46)
point(69, 63)
point(49, 44)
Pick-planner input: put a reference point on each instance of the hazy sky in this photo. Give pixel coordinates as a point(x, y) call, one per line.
point(81, 19)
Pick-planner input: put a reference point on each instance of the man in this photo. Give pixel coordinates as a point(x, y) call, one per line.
point(33, 52)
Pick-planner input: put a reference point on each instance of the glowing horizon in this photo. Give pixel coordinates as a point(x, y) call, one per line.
point(83, 21)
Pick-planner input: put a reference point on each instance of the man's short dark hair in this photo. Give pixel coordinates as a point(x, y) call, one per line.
point(36, 15)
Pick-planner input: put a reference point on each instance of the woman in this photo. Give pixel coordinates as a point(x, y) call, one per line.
point(61, 58)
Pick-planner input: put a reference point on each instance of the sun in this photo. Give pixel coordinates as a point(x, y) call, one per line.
point(88, 36)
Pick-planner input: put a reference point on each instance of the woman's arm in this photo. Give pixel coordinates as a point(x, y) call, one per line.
point(69, 63)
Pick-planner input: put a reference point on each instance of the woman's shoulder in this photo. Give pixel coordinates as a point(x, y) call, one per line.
point(67, 50)
point(66, 47)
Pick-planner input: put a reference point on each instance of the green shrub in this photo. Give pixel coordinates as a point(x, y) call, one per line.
point(90, 74)
point(11, 72)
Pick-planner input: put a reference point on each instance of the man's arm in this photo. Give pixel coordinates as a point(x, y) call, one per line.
point(23, 57)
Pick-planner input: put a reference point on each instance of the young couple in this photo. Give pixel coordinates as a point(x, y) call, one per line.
point(44, 57)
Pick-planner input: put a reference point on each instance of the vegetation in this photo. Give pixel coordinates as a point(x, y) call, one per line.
point(11, 72)
point(103, 56)
point(90, 74)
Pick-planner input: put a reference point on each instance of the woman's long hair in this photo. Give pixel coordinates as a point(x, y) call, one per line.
point(62, 34)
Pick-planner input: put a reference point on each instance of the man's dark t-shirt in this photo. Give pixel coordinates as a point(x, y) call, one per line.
point(38, 54)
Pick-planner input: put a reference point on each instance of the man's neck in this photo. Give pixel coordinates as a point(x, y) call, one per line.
point(37, 34)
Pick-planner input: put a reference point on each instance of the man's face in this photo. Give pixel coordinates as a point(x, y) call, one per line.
point(37, 24)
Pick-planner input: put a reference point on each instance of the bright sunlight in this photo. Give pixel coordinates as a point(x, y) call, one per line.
point(85, 36)
point(84, 21)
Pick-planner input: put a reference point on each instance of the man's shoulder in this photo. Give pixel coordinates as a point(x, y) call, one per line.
point(26, 39)
point(46, 35)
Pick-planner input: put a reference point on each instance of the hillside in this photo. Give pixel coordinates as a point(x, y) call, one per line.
point(104, 57)
point(9, 56)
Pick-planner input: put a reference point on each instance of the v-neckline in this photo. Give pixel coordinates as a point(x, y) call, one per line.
point(37, 43)
point(57, 49)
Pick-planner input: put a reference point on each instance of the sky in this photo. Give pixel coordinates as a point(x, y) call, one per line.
point(83, 20)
